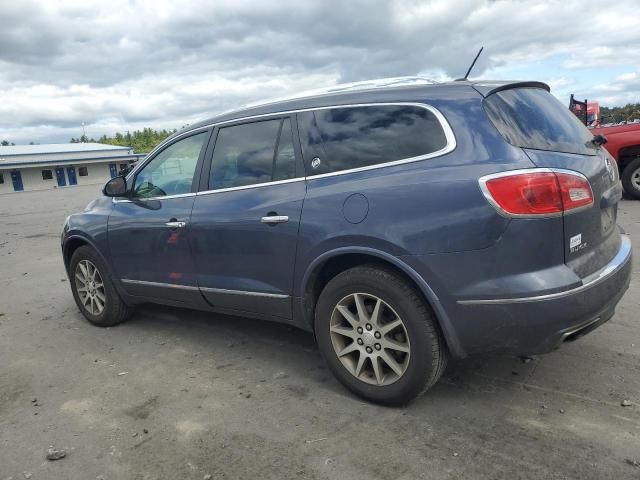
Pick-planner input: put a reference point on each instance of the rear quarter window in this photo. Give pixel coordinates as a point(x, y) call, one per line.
point(345, 138)
point(533, 118)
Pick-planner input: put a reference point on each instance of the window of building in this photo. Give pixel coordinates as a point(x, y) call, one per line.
point(353, 137)
point(253, 153)
point(47, 175)
point(83, 171)
point(171, 171)
point(1, 178)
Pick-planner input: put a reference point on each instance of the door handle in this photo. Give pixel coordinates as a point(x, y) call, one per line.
point(176, 224)
point(275, 219)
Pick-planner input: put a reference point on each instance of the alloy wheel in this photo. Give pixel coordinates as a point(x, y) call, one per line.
point(90, 287)
point(370, 339)
point(635, 179)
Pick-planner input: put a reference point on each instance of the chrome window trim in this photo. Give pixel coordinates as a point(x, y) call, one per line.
point(253, 185)
point(444, 124)
point(142, 199)
point(243, 292)
point(482, 182)
point(617, 262)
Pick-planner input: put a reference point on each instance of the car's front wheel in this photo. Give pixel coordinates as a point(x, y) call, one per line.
point(378, 336)
point(93, 289)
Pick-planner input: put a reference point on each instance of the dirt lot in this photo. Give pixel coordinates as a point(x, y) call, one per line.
point(175, 394)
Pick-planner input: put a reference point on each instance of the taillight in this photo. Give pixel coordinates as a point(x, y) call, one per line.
point(537, 192)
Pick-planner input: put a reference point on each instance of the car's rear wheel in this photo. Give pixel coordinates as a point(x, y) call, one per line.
point(631, 179)
point(378, 336)
point(93, 289)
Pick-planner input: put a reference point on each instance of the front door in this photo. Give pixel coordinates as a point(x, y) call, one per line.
point(149, 232)
point(71, 173)
point(60, 177)
point(16, 179)
point(244, 226)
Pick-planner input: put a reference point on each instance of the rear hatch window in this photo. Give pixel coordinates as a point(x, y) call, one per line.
point(533, 118)
point(552, 137)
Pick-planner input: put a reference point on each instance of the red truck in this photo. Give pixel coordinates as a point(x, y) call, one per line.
point(623, 143)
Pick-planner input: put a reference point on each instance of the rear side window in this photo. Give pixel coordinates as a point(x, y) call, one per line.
point(253, 153)
point(352, 137)
point(533, 118)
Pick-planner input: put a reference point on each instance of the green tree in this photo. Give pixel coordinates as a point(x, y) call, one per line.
point(141, 141)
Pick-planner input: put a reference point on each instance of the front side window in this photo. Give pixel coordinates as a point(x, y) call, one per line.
point(253, 153)
point(171, 171)
point(47, 175)
point(344, 138)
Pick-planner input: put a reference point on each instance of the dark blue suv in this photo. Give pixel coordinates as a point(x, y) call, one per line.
point(402, 222)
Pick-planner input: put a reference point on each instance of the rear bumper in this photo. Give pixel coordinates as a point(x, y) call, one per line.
point(540, 323)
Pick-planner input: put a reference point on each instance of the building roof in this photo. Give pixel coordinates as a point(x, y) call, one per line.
point(56, 148)
point(19, 161)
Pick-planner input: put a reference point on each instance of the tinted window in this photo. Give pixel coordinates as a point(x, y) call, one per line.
point(171, 171)
point(251, 153)
point(533, 118)
point(353, 137)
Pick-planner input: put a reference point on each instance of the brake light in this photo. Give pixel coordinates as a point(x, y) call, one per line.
point(537, 192)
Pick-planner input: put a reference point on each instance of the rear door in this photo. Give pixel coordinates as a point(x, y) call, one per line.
point(553, 137)
point(244, 223)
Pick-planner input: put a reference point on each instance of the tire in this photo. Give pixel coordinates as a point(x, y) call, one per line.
point(631, 179)
point(114, 310)
point(423, 363)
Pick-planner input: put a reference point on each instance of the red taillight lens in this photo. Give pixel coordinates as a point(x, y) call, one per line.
point(575, 189)
point(533, 193)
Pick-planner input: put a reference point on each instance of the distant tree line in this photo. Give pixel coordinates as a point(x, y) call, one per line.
point(141, 141)
point(629, 112)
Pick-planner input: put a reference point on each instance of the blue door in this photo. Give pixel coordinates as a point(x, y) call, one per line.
point(71, 173)
point(16, 178)
point(113, 170)
point(60, 177)
point(149, 234)
point(244, 239)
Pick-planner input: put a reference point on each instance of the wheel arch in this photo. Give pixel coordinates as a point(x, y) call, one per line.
point(331, 263)
point(627, 154)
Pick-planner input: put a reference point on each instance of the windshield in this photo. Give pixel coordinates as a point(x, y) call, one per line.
point(533, 118)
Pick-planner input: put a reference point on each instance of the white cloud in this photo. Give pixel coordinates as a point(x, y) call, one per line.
point(124, 64)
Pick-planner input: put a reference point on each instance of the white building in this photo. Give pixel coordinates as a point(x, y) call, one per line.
point(39, 167)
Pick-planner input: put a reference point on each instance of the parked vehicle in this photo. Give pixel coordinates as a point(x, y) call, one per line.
point(622, 142)
point(402, 223)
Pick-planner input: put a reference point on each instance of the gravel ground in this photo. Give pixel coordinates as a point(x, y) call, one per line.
point(174, 394)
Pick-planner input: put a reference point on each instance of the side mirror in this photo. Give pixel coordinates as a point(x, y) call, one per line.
point(116, 187)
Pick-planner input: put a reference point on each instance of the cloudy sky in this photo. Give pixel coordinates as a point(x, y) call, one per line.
point(118, 64)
